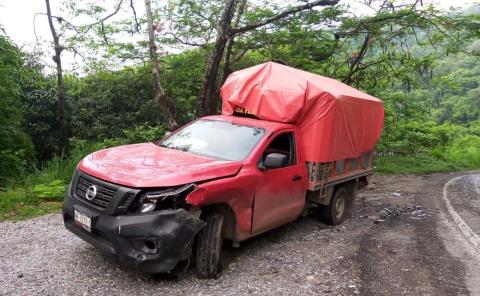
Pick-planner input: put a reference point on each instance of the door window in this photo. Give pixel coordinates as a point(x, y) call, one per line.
point(283, 144)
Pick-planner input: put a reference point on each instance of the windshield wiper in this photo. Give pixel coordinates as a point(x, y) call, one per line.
point(185, 149)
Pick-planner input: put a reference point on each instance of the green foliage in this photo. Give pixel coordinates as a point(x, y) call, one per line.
point(296, 40)
point(39, 109)
point(464, 150)
point(414, 165)
point(37, 193)
point(16, 149)
point(51, 189)
point(105, 104)
point(182, 76)
point(456, 89)
point(18, 203)
point(144, 133)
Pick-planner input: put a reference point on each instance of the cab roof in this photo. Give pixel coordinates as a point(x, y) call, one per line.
point(270, 126)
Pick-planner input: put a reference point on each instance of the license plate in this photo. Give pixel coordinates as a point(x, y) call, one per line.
point(83, 220)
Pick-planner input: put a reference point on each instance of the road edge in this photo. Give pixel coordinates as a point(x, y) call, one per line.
point(471, 237)
point(457, 240)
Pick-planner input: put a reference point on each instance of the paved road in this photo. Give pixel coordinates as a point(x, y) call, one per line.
point(462, 195)
point(416, 254)
point(408, 235)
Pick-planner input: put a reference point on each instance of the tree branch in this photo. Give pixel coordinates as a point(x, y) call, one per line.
point(75, 53)
point(240, 55)
point(283, 14)
point(361, 54)
point(52, 27)
point(58, 18)
point(137, 25)
point(117, 9)
point(231, 39)
point(187, 42)
point(101, 21)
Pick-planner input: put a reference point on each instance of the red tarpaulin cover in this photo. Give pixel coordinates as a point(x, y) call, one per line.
point(336, 120)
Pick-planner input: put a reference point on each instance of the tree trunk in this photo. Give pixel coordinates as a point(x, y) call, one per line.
point(231, 40)
point(354, 64)
point(207, 99)
point(227, 69)
point(164, 102)
point(63, 125)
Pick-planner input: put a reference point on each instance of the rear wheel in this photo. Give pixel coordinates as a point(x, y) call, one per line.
point(209, 247)
point(336, 211)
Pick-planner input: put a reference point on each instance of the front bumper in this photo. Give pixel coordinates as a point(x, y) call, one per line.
point(152, 242)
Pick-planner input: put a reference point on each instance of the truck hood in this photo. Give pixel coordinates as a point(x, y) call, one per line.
point(148, 165)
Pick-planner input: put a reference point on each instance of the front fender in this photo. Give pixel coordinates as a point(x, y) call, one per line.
point(238, 192)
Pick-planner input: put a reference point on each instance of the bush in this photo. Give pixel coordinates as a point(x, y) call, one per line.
point(464, 150)
point(144, 133)
point(16, 149)
point(421, 163)
point(51, 190)
point(50, 181)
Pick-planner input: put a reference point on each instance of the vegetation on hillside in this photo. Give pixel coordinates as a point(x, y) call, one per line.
point(420, 60)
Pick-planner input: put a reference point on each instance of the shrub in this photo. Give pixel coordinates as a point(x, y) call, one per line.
point(464, 150)
point(144, 133)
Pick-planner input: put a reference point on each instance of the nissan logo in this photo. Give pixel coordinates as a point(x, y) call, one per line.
point(91, 192)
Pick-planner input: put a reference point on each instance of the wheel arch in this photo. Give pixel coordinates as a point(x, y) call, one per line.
point(229, 222)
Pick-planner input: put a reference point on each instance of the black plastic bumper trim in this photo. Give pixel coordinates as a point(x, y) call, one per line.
point(152, 242)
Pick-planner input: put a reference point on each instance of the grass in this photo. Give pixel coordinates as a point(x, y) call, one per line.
point(19, 204)
point(420, 164)
point(41, 191)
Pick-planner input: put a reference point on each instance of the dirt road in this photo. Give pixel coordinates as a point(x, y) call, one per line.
point(408, 235)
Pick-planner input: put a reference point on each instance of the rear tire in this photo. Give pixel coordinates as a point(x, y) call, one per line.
point(209, 247)
point(336, 211)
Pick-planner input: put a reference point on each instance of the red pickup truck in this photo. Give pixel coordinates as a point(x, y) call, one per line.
point(287, 142)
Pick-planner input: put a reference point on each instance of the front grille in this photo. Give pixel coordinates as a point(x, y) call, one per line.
point(127, 200)
point(104, 195)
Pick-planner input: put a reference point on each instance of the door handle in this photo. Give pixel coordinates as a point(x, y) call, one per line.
point(296, 177)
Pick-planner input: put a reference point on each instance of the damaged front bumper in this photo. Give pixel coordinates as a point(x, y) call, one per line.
point(152, 242)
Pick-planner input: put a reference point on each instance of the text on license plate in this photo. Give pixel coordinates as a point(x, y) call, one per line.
point(83, 220)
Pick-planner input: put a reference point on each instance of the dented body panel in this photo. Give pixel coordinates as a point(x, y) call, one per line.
point(153, 243)
point(148, 165)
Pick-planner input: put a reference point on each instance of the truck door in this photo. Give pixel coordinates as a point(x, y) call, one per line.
point(280, 192)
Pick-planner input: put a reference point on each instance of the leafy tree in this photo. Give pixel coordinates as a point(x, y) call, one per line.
point(225, 34)
point(58, 48)
point(16, 149)
point(39, 108)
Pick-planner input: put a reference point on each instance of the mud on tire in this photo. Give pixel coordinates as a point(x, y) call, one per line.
point(336, 211)
point(209, 247)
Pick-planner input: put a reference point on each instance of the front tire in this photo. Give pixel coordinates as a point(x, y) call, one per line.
point(209, 247)
point(336, 211)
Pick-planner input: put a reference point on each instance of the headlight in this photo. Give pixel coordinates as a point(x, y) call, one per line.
point(148, 207)
point(165, 199)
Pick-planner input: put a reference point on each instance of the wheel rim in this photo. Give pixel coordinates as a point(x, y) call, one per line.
point(339, 206)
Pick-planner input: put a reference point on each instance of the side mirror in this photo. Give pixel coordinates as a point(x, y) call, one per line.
point(275, 161)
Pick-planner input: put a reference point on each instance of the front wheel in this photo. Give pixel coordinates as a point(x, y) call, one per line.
point(335, 212)
point(209, 247)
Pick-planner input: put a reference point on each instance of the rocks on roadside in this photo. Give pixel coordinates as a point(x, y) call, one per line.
point(417, 212)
